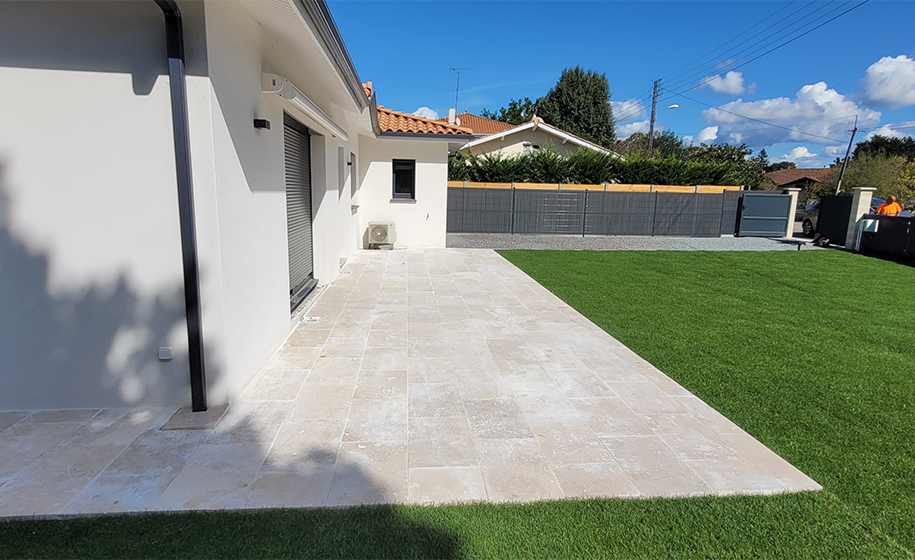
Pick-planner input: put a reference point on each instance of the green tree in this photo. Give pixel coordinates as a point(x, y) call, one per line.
point(889, 175)
point(579, 103)
point(744, 169)
point(886, 147)
point(781, 165)
point(666, 145)
point(518, 112)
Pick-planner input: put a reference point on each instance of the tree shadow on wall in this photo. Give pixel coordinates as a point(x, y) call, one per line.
point(82, 345)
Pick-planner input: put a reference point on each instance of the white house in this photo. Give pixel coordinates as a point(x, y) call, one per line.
point(529, 137)
point(174, 178)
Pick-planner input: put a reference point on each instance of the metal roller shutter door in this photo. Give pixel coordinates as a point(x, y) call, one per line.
point(298, 210)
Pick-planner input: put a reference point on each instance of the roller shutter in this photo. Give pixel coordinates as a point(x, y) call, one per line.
point(298, 210)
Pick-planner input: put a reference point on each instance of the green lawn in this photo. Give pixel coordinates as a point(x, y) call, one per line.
point(811, 352)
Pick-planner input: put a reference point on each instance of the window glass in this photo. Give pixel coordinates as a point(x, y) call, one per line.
point(404, 178)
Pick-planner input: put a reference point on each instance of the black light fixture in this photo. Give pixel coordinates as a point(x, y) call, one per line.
point(262, 124)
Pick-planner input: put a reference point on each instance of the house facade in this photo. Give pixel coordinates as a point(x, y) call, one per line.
point(529, 137)
point(174, 179)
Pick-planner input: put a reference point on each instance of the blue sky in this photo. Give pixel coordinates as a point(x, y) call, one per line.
point(861, 63)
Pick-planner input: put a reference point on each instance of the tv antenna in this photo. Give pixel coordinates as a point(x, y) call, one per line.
point(457, 89)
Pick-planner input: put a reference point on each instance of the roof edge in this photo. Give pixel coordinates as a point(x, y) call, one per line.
point(318, 16)
point(426, 136)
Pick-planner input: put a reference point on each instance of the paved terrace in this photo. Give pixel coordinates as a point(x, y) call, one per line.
point(419, 377)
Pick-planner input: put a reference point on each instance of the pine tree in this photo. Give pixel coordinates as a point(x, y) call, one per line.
point(579, 103)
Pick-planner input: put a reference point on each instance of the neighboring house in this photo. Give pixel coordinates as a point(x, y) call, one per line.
point(527, 138)
point(172, 186)
point(801, 178)
point(481, 126)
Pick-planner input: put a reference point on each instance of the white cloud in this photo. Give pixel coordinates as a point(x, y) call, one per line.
point(801, 152)
point(890, 82)
point(707, 134)
point(731, 83)
point(722, 64)
point(890, 130)
point(832, 150)
point(627, 130)
point(687, 139)
point(426, 113)
point(815, 109)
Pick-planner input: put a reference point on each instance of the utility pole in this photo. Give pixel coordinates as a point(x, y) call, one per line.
point(654, 102)
point(848, 151)
point(457, 89)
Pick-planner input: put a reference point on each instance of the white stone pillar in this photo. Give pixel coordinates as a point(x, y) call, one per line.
point(793, 192)
point(860, 205)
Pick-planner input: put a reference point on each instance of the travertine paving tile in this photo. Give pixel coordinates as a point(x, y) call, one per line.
point(7, 419)
point(496, 419)
point(435, 400)
point(611, 417)
point(377, 420)
point(568, 440)
point(593, 480)
point(515, 470)
point(420, 376)
point(370, 473)
point(654, 468)
point(433, 485)
point(441, 442)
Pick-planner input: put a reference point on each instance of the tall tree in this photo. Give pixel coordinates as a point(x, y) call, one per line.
point(745, 170)
point(667, 145)
point(517, 112)
point(579, 103)
point(886, 146)
point(778, 166)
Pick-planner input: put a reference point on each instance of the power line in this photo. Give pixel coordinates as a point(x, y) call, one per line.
point(793, 39)
point(691, 64)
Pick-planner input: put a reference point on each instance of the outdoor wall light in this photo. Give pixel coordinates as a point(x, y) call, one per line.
point(262, 124)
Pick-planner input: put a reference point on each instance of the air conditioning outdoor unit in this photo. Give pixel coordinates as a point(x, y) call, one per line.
point(381, 233)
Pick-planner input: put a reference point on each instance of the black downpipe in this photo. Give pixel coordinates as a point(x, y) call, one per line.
point(174, 39)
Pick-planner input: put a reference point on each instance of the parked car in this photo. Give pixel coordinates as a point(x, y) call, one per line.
point(813, 212)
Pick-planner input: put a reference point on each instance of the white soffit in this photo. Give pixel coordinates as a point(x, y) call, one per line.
point(285, 22)
point(274, 83)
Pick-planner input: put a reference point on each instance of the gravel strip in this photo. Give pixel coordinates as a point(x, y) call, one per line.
point(624, 243)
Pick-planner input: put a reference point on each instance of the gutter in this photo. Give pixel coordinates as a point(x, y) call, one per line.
point(317, 15)
point(174, 40)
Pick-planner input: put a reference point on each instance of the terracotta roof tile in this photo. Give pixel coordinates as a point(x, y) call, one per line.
point(786, 176)
point(479, 125)
point(395, 121)
point(367, 86)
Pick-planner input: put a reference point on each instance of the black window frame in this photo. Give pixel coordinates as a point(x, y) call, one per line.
point(394, 169)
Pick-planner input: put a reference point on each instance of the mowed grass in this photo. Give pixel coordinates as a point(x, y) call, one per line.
point(810, 352)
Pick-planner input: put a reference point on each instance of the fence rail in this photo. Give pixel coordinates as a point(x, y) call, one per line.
point(474, 209)
point(606, 187)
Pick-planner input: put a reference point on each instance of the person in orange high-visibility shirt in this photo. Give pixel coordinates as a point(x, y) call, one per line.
point(890, 207)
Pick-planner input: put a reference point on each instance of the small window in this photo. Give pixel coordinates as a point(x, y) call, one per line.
point(404, 178)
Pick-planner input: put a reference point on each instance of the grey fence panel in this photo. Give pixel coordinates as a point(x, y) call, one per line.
point(484, 211)
point(729, 212)
point(455, 215)
point(688, 215)
point(472, 210)
point(620, 213)
point(549, 211)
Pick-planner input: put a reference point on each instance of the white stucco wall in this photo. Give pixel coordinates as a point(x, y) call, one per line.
point(250, 199)
point(513, 144)
point(90, 254)
point(419, 223)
